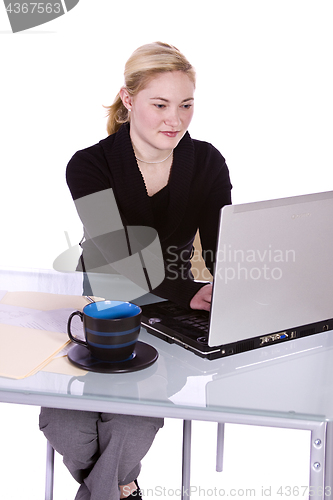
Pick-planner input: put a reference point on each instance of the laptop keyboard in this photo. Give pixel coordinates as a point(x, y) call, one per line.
point(200, 323)
point(189, 319)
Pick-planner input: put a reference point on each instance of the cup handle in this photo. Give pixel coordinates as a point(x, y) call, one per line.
point(74, 339)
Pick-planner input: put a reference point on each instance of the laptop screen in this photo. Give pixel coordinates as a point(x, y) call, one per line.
point(274, 267)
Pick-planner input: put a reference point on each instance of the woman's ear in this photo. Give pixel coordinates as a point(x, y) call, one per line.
point(126, 98)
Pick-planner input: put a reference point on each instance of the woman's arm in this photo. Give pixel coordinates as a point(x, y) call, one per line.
point(219, 196)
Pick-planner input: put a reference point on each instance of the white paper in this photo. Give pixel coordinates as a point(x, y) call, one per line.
point(13, 315)
point(53, 321)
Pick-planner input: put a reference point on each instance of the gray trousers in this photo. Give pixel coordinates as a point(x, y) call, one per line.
point(101, 450)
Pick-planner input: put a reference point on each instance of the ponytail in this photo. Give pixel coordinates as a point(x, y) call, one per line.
point(117, 115)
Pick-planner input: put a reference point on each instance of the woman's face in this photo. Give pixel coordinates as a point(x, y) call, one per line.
point(161, 113)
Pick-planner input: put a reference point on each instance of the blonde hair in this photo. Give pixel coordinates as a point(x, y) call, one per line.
point(146, 62)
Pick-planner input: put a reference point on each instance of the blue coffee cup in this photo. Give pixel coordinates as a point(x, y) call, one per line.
point(111, 329)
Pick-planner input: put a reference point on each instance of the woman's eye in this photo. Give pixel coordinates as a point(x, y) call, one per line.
point(187, 106)
point(160, 106)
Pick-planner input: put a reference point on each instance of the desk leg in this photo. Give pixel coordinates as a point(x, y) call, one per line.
point(318, 460)
point(329, 461)
point(49, 472)
point(220, 447)
point(186, 465)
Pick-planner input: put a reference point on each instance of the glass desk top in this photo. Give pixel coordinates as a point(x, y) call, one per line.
point(291, 380)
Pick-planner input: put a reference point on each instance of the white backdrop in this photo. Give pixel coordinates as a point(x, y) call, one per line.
point(264, 98)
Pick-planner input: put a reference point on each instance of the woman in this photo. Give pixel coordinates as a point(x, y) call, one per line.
point(161, 178)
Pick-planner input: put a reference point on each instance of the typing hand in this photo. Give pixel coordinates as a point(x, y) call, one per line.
point(202, 298)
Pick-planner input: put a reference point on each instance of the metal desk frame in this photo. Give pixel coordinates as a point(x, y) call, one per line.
point(321, 451)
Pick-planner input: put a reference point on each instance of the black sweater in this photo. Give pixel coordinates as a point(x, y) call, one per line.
point(199, 186)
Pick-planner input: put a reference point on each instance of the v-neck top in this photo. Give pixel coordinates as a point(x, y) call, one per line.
point(159, 203)
point(199, 186)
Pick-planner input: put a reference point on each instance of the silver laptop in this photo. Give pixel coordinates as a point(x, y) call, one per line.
point(273, 280)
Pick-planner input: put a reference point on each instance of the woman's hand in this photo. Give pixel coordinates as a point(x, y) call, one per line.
point(202, 298)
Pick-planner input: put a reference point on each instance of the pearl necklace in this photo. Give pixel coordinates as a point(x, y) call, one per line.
point(154, 162)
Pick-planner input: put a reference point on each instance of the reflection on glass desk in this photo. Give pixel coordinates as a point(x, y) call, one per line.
point(291, 380)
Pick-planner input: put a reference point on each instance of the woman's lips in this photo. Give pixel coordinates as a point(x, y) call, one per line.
point(170, 134)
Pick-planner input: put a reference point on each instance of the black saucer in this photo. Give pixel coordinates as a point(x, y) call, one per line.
point(144, 356)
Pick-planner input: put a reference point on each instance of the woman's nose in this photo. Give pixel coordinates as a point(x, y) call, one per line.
point(172, 119)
